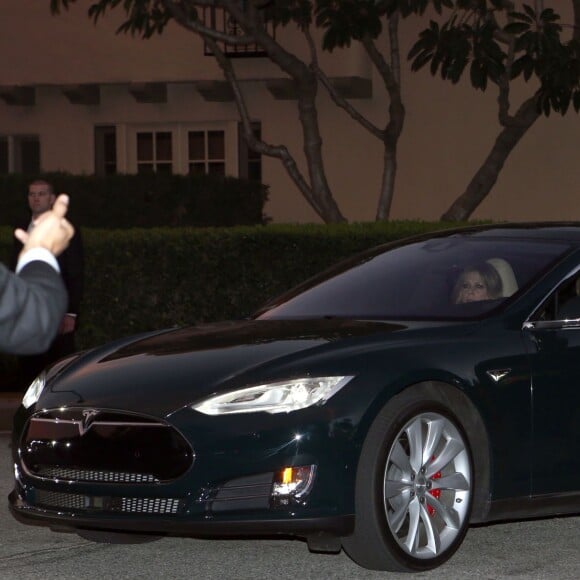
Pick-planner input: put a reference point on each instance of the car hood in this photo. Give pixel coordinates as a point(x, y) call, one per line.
point(159, 373)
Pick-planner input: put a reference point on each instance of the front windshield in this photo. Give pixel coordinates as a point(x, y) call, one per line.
point(453, 277)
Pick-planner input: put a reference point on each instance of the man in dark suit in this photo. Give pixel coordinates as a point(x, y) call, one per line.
point(33, 301)
point(41, 198)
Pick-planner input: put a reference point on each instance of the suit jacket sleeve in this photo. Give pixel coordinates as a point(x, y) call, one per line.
point(32, 305)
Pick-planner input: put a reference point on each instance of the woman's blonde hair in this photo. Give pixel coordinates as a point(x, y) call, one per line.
point(489, 275)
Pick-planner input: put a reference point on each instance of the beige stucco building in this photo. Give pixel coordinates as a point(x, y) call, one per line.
point(77, 97)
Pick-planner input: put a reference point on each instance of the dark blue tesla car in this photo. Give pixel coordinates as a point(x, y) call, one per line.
point(381, 408)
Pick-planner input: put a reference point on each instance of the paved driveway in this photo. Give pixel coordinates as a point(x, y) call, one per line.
point(542, 549)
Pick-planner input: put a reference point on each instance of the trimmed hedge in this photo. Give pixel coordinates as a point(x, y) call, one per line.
point(142, 279)
point(152, 200)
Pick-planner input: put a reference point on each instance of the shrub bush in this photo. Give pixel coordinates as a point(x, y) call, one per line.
point(142, 279)
point(153, 200)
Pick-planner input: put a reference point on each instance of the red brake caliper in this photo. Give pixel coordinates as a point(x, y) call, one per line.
point(436, 493)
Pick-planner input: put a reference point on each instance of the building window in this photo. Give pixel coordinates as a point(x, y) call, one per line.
point(20, 154)
point(250, 162)
point(209, 147)
point(154, 152)
point(27, 151)
point(105, 150)
point(207, 152)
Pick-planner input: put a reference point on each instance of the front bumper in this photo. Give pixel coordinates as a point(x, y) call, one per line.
point(224, 526)
point(113, 473)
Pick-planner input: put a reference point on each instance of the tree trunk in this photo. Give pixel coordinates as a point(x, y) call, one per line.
point(390, 141)
point(486, 176)
point(325, 204)
point(387, 185)
point(316, 190)
point(392, 79)
point(319, 195)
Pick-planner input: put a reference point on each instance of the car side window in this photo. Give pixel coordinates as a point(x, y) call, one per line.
point(564, 303)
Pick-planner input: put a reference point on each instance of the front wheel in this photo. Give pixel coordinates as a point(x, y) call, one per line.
point(413, 490)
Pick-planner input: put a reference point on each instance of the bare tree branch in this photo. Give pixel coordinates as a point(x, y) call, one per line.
point(311, 48)
point(338, 99)
point(258, 145)
point(306, 83)
point(379, 61)
point(485, 178)
point(391, 75)
point(392, 78)
point(341, 102)
point(503, 98)
point(316, 190)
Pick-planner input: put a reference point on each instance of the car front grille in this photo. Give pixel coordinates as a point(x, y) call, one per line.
point(88, 503)
point(244, 493)
point(88, 475)
point(102, 446)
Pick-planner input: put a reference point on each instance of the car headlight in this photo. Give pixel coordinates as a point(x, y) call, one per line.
point(34, 390)
point(279, 397)
point(37, 386)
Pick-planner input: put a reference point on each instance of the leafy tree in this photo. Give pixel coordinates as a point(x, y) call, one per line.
point(499, 41)
point(149, 17)
point(495, 41)
point(363, 21)
point(343, 22)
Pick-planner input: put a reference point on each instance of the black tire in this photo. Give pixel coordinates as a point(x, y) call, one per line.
point(412, 513)
point(106, 537)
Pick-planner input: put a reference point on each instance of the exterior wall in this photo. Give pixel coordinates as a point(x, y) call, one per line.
point(449, 129)
point(70, 48)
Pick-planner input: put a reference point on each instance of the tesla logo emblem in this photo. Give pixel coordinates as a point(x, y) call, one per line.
point(499, 374)
point(87, 420)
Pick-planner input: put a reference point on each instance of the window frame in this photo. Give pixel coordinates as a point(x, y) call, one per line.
point(535, 322)
point(156, 161)
point(102, 166)
point(207, 161)
point(15, 162)
point(127, 144)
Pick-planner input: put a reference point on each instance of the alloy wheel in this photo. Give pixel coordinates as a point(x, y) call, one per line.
point(427, 485)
